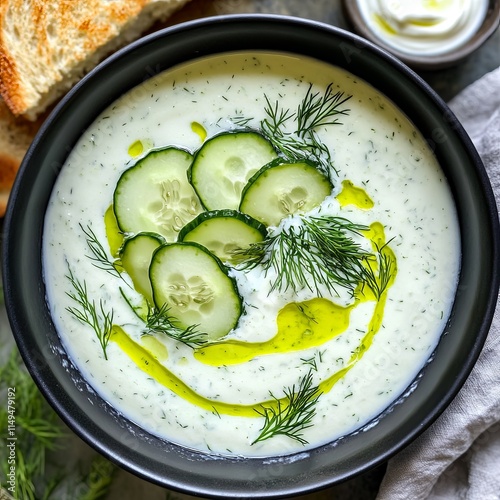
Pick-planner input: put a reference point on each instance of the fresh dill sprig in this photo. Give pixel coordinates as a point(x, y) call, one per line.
point(100, 320)
point(378, 279)
point(319, 251)
point(301, 140)
point(97, 482)
point(36, 428)
point(159, 321)
point(99, 256)
point(40, 439)
point(289, 418)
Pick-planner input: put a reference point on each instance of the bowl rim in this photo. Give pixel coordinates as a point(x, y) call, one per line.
point(53, 393)
point(490, 24)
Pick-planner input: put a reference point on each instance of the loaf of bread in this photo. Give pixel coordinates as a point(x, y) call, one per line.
point(45, 47)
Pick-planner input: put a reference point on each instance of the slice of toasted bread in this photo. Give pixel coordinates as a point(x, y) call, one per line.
point(16, 135)
point(45, 46)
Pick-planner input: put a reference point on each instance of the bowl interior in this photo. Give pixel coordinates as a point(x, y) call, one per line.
point(173, 466)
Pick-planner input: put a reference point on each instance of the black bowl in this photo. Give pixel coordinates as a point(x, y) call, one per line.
point(170, 465)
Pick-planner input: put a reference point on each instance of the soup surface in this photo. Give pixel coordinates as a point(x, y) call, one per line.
point(310, 356)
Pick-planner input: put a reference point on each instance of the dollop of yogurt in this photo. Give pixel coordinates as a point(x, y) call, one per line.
point(424, 27)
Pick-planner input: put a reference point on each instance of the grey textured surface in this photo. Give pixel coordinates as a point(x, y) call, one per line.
point(447, 83)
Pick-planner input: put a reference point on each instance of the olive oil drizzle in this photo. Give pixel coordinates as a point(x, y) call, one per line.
point(199, 130)
point(353, 195)
point(149, 363)
point(113, 234)
point(366, 342)
point(136, 148)
point(301, 325)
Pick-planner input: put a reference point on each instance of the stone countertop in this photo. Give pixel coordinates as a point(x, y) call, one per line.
point(447, 83)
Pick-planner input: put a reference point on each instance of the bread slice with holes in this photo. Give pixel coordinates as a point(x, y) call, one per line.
point(46, 46)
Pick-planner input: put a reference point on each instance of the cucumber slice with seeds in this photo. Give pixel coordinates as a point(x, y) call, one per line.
point(281, 189)
point(155, 195)
point(223, 232)
point(135, 256)
point(195, 286)
point(223, 165)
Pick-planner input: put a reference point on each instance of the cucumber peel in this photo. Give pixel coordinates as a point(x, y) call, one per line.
point(224, 233)
point(280, 189)
point(135, 257)
point(155, 195)
point(196, 288)
point(223, 165)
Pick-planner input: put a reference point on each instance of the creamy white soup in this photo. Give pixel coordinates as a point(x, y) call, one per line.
point(279, 359)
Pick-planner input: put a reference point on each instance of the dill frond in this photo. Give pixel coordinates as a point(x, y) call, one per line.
point(292, 414)
point(294, 135)
point(378, 278)
point(36, 428)
point(159, 321)
point(97, 482)
point(315, 110)
point(319, 252)
point(99, 255)
point(87, 312)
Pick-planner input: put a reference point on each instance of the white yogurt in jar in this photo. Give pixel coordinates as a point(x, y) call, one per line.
point(375, 147)
point(424, 27)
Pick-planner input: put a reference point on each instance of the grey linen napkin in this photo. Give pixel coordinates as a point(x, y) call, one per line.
point(458, 457)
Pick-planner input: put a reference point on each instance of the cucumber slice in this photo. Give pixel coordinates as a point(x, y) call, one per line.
point(196, 288)
point(155, 196)
point(223, 165)
point(136, 256)
point(281, 189)
point(223, 232)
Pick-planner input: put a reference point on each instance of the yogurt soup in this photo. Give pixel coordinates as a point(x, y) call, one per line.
point(251, 254)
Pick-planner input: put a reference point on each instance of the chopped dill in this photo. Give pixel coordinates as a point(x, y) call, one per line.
point(241, 121)
point(311, 362)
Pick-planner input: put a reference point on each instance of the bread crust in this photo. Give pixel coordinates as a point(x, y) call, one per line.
point(46, 46)
point(16, 134)
point(8, 169)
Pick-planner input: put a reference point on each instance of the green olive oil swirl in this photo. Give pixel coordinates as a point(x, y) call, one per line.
point(300, 325)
